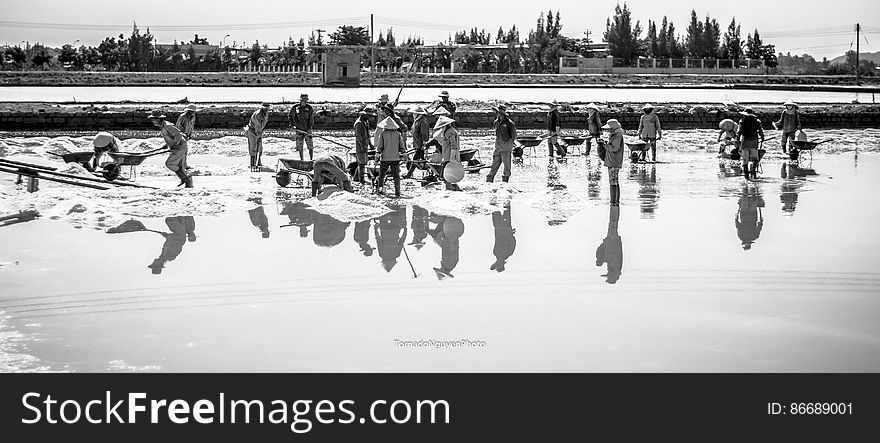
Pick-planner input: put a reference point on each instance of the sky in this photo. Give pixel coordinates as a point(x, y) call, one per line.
point(803, 26)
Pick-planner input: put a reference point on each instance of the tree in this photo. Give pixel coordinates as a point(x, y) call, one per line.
point(18, 56)
point(140, 50)
point(256, 53)
point(389, 38)
point(622, 37)
point(499, 38)
point(349, 35)
point(68, 56)
point(695, 40)
point(712, 38)
point(653, 43)
point(733, 44)
point(663, 40)
point(111, 53)
point(41, 59)
point(754, 46)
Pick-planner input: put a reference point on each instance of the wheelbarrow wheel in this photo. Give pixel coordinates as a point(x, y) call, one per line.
point(282, 178)
point(111, 172)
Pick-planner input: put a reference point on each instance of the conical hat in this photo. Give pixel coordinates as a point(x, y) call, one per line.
point(443, 121)
point(648, 106)
point(592, 105)
point(388, 123)
point(790, 103)
point(103, 139)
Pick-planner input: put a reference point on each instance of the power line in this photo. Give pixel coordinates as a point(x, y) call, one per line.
point(193, 27)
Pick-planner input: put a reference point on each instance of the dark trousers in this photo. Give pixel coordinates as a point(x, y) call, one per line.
point(394, 166)
point(418, 155)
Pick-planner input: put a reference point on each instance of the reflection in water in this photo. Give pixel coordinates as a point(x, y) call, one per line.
point(729, 169)
point(362, 237)
point(259, 220)
point(505, 242)
point(594, 181)
point(646, 177)
point(182, 229)
point(794, 175)
point(749, 219)
point(611, 249)
point(390, 230)
point(446, 233)
point(419, 226)
point(328, 231)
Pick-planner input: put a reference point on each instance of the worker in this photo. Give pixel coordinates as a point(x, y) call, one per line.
point(505, 135)
point(750, 136)
point(389, 151)
point(553, 128)
point(186, 122)
point(302, 120)
point(329, 168)
point(611, 249)
point(614, 158)
point(421, 134)
point(594, 126)
point(505, 242)
point(727, 132)
point(649, 129)
point(790, 120)
point(103, 142)
point(383, 108)
point(447, 136)
point(254, 132)
point(363, 143)
point(445, 104)
point(176, 143)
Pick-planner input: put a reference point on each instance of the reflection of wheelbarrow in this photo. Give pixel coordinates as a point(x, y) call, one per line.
point(804, 146)
point(82, 157)
point(638, 151)
point(287, 167)
point(112, 170)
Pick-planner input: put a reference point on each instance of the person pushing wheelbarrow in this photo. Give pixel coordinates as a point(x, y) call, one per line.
point(176, 142)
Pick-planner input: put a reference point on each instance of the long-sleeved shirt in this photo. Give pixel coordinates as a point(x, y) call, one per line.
point(553, 120)
point(421, 132)
point(649, 126)
point(259, 121)
point(614, 149)
point(390, 146)
point(186, 123)
point(449, 144)
point(174, 139)
point(594, 123)
point(790, 121)
point(361, 140)
point(449, 106)
point(302, 117)
point(505, 134)
point(750, 132)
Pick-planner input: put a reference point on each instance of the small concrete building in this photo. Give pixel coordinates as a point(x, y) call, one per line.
point(341, 68)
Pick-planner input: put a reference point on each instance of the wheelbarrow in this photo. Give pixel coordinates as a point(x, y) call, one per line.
point(569, 141)
point(804, 146)
point(287, 167)
point(526, 141)
point(637, 151)
point(84, 158)
point(471, 161)
point(113, 170)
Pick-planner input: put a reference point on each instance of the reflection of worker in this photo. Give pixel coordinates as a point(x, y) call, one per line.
point(594, 185)
point(390, 232)
point(611, 249)
point(648, 193)
point(749, 220)
point(362, 237)
point(182, 230)
point(300, 215)
point(259, 219)
point(104, 142)
point(329, 231)
point(505, 242)
point(419, 226)
point(329, 168)
point(446, 234)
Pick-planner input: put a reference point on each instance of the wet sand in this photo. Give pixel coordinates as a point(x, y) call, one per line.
point(710, 273)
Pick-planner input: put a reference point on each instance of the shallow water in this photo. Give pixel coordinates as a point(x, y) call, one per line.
point(697, 271)
point(365, 94)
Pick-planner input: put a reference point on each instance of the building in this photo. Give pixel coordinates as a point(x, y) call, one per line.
point(341, 68)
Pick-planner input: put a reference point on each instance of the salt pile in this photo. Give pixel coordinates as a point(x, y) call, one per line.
point(557, 205)
point(348, 207)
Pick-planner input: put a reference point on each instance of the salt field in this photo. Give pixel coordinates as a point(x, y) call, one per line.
point(698, 270)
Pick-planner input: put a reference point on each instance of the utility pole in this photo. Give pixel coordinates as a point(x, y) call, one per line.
point(858, 77)
point(372, 51)
point(320, 37)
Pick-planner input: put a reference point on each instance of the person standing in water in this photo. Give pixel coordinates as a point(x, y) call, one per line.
point(389, 150)
point(447, 135)
point(614, 158)
point(749, 136)
point(649, 129)
point(421, 134)
point(254, 133)
point(553, 127)
point(790, 120)
point(362, 142)
point(186, 122)
point(727, 133)
point(505, 135)
point(302, 120)
point(594, 126)
point(176, 143)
